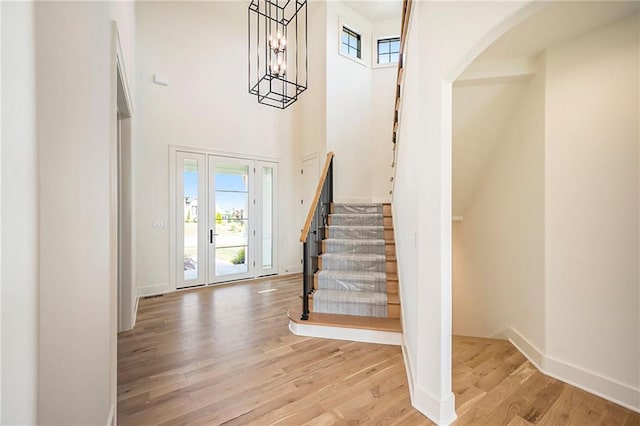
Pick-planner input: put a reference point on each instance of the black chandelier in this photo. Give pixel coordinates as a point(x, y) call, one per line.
point(278, 51)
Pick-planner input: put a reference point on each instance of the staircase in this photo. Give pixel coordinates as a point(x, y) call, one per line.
point(349, 279)
point(357, 267)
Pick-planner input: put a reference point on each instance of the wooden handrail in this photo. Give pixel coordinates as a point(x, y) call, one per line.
point(404, 30)
point(314, 203)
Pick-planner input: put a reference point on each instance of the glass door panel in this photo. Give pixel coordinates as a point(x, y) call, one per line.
point(231, 221)
point(191, 232)
point(266, 229)
point(267, 217)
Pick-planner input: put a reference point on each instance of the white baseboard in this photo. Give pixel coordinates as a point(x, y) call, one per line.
point(408, 366)
point(154, 290)
point(135, 312)
point(291, 270)
point(594, 383)
point(344, 333)
point(440, 412)
point(527, 348)
point(609, 389)
point(111, 418)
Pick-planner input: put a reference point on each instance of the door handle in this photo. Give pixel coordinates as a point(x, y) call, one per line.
point(210, 236)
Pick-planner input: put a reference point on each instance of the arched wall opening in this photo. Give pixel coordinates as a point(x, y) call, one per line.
point(545, 195)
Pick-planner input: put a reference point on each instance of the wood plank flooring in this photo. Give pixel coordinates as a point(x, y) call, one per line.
point(224, 355)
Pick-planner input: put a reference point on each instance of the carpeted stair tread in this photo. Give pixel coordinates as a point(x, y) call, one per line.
point(354, 262)
point(373, 304)
point(356, 232)
point(349, 219)
point(345, 245)
point(362, 208)
point(352, 281)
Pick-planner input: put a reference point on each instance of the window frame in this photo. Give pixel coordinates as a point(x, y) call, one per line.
point(376, 41)
point(352, 35)
point(362, 60)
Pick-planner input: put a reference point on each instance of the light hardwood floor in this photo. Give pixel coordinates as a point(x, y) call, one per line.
point(225, 355)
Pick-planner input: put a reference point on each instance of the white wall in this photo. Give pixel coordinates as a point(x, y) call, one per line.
point(310, 111)
point(349, 100)
point(422, 194)
point(501, 240)
point(383, 91)
point(592, 280)
point(565, 285)
point(200, 46)
point(75, 125)
point(405, 205)
point(360, 102)
point(19, 190)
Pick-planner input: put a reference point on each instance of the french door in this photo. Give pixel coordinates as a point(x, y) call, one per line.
point(226, 218)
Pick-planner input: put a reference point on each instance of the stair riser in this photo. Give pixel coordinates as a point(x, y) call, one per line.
point(354, 233)
point(350, 309)
point(359, 221)
point(393, 311)
point(390, 250)
point(349, 285)
point(391, 267)
point(386, 209)
point(392, 285)
point(341, 209)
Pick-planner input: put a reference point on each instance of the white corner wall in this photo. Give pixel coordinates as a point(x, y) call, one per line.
point(75, 130)
point(422, 194)
point(310, 111)
point(383, 92)
point(200, 46)
point(360, 103)
point(19, 245)
point(501, 240)
point(592, 173)
point(349, 106)
point(559, 208)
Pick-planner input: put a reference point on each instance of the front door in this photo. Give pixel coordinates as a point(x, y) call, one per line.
point(227, 221)
point(231, 216)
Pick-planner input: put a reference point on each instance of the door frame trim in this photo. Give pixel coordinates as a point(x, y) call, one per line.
point(173, 226)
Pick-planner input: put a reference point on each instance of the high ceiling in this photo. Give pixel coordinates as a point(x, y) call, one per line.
point(480, 113)
point(557, 22)
point(377, 10)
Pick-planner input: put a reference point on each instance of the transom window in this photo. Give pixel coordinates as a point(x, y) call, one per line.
point(388, 50)
point(351, 43)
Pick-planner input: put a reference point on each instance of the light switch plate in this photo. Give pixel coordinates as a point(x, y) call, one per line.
point(160, 79)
